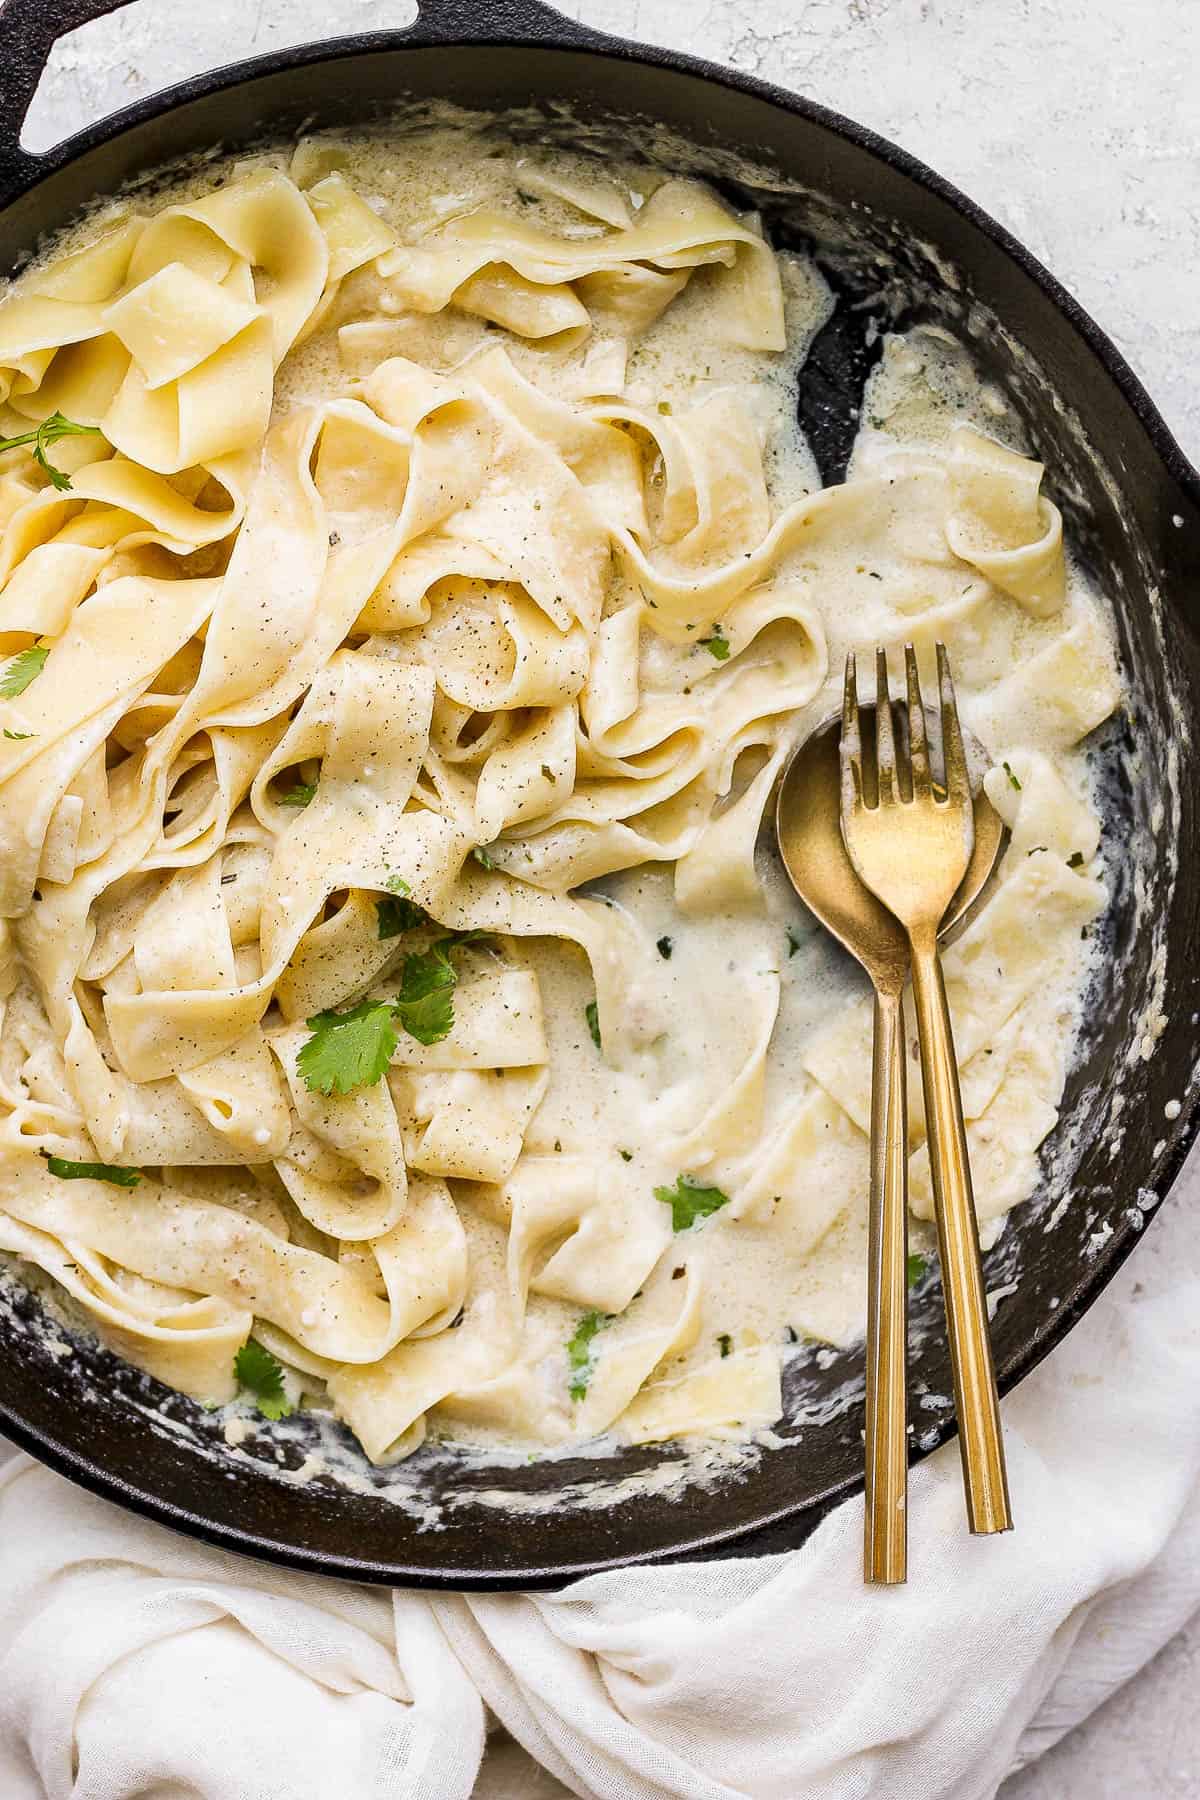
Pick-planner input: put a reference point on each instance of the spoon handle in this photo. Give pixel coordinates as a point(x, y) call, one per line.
point(977, 1403)
point(885, 1545)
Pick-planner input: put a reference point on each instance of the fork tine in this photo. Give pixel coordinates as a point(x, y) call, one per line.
point(958, 781)
point(851, 742)
point(885, 741)
point(918, 739)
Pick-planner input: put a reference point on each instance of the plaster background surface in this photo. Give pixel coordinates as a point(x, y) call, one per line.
point(1077, 124)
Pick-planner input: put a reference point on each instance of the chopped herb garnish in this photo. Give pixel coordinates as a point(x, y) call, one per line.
point(49, 432)
point(397, 915)
point(18, 737)
point(348, 1050)
point(353, 1049)
point(396, 884)
point(1013, 782)
point(794, 943)
point(916, 1270)
point(261, 1376)
point(1037, 850)
point(726, 1343)
point(91, 1171)
point(591, 1013)
point(300, 795)
point(21, 669)
point(716, 644)
point(690, 1200)
point(476, 936)
point(664, 946)
point(1076, 859)
point(579, 1352)
point(793, 1335)
point(482, 858)
point(625, 1155)
point(424, 1005)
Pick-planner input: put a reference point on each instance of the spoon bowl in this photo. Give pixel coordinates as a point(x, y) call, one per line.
point(809, 832)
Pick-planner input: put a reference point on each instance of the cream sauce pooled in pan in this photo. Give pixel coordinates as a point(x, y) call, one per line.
point(404, 1010)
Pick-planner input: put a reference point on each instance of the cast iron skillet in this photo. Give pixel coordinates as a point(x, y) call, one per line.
point(900, 246)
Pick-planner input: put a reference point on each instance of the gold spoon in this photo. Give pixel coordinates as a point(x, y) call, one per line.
point(808, 826)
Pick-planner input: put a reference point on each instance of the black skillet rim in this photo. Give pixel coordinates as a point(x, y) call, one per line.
point(785, 1526)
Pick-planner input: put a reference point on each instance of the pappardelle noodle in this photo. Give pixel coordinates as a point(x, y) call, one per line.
point(411, 582)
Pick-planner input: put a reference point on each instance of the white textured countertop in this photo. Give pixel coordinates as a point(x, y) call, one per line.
point(1077, 124)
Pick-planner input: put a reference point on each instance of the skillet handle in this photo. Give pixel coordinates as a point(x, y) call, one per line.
point(29, 30)
point(500, 21)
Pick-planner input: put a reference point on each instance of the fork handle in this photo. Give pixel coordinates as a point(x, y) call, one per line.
point(885, 1520)
point(976, 1400)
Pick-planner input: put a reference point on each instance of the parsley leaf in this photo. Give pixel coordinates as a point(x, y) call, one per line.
point(353, 1049)
point(717, 644)
point(49, 432)
point(348, 1049)
point(300, 795)
point(1075, 860)
point(1012, 778)
point(396, 884)
point(261, 1375)
point(690, 1200)
point(481, 857)
point(916, 1270)
point(664, 946)
point(21, 669)
point(89, 1171)
point(397, 915)
point(591, 1013)
point(579, 1352)
point(424, 1005)
point(726, 1344)
point(794, 942)
point(18, 737)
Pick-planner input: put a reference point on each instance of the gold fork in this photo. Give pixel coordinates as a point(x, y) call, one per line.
point(911, 845)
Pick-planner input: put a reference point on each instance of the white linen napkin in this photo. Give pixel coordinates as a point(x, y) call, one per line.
point(134, 1663)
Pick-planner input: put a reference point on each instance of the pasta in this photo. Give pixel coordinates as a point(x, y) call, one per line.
point(412, 582)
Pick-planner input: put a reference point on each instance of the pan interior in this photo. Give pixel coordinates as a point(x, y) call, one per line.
point(302, 1491)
